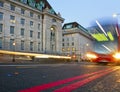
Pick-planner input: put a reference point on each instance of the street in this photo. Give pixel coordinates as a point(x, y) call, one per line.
point(71, 77)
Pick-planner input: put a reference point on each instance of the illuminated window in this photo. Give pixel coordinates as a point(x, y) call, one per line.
point(73, 49)
point(68, 49)
point(63, 49)
point(12, 19)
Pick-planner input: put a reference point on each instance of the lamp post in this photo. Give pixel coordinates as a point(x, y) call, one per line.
point(117, 30)
point(14, 50)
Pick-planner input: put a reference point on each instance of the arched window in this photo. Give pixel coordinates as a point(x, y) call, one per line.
point(53, 38)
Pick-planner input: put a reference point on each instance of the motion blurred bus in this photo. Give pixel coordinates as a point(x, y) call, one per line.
point(106, 36)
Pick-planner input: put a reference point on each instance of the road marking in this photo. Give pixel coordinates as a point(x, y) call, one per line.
point(78, 84)
point(60, 82)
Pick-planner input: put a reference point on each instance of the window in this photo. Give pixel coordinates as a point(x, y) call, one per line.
point(1, 4)
point(38, 35)
point(53, 20)
point(12, 29)
point(22, 21)
point(63, 49)
point(12, 17)
point(38, 26)
point(24, 1)
point(1, 27)
point(72, 38)
point(11, 44)
point(68, 49)
point(52, 35)
point(68, 26)
point(67, 39)
point(38, 46)
point(63, 39)
point(38, 16)
point(31, 46)
point(72, 43)
point(31, 14)
point(67, 44)
point(73, 49)
point(31, 3)
point(63, 44)
point(31, 23)
point(31, 33)
point(22, 45)
point(22, 11)
point(0, 42)
point(22, 31)
point(12, 7)
point(1, 16)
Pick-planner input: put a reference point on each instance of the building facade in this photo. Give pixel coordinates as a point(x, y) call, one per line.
point(30, 26)
point(76, 41)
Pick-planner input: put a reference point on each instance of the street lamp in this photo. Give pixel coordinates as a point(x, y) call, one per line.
point(117, 30)
point(116, 14)
point(14, 50)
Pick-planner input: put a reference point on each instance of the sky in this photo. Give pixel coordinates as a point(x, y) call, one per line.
point(85, 11)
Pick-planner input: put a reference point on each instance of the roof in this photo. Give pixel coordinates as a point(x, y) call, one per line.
point(72, 25)
point(39, 5)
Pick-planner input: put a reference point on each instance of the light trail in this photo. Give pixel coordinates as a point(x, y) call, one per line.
point(101, 28)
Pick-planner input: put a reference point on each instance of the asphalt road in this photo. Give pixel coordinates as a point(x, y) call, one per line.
point(74, 77)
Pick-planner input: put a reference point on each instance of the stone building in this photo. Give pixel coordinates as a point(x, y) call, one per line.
point(30, 26)
point(76, 41)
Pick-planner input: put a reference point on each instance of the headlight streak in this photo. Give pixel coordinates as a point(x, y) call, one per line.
point(34, 54)
point(116, 55)
point(91, 56)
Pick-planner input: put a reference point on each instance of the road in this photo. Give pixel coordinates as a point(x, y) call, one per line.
point(74, 77)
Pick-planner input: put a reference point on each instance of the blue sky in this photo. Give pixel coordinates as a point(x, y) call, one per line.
point(85, 11)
